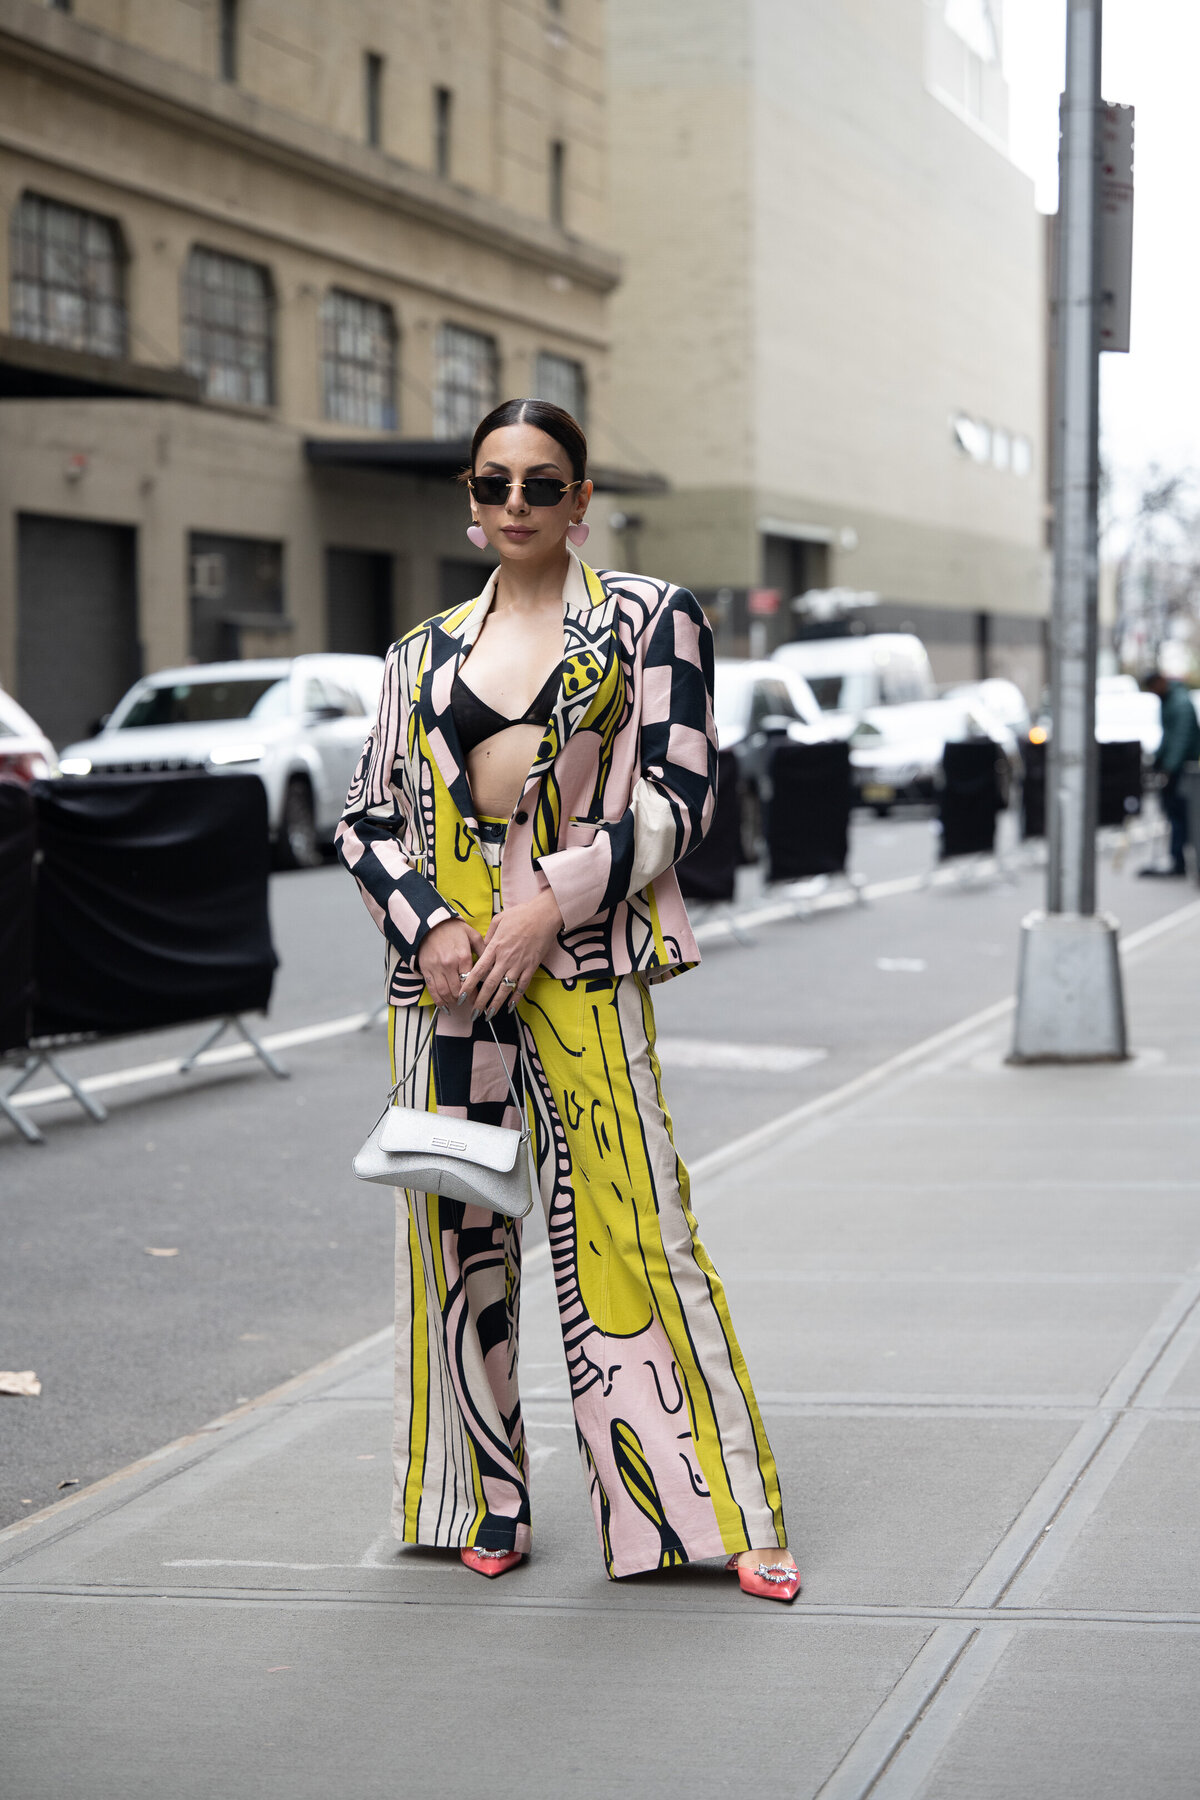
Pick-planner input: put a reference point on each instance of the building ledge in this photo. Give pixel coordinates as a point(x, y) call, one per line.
point(443, 458)
point(35, 371)
point(62, 45)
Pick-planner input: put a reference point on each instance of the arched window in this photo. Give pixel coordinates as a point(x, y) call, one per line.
point(465, 387)
point(228, 327)
point(358, 361)
point(68, 277)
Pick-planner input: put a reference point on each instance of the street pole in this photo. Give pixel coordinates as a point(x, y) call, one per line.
point(1071, 808)
point(1069, 1001)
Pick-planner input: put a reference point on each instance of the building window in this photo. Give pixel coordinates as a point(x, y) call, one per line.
point(373, 98)
point(558, 171)
point(68, 277)
point(228, 323)
point(358, 361)
point(227, 50)
point(60, 5)
point(976, 22)
point(443, 119)
point(562, 380)
point(466, 381)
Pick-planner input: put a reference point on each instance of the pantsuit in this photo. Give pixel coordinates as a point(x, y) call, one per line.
point(673, 1450)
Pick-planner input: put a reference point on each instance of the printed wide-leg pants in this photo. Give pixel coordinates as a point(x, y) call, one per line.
point(673, 1449)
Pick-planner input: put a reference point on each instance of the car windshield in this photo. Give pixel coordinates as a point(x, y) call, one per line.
point(847, 692)
point(204, 702)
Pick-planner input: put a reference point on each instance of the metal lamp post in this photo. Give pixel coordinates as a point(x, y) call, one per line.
point(1069, 1000)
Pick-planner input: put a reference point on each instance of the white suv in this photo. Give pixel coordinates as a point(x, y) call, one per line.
point(299, 723)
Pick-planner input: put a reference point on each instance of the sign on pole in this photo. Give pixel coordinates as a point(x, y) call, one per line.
point(1116, 225)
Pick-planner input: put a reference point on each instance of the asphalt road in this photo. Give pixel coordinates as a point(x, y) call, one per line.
point(280, 1258)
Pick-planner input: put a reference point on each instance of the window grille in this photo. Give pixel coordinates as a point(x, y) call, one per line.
point(564, 381)
point(68, 278)
point(358, 361)
point(228, 321)
point(466, 381)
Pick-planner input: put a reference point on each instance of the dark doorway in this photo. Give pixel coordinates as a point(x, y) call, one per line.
point(77, 632)
point(460, 580)
point(358, 602)
point(792, 565)
point(235, 589)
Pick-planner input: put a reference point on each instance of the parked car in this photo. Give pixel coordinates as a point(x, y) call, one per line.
point(1003, 699)
point(1125, 714)
point(299, 723)
point(848, 676)
point(896, 751)
point(26, 753)
point(759, 705)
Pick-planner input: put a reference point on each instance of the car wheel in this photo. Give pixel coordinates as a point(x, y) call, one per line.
point(881, 809)
point(298, 847)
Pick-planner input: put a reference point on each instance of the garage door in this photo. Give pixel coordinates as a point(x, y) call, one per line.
point(77, 642)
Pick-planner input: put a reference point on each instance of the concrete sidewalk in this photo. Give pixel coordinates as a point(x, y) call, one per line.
point(969, 1298)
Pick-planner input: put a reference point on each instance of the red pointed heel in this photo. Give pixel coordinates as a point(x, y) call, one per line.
point(491, 1562)
point(767, 1581)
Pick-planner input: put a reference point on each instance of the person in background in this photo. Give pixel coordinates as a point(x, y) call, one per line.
point(1180, 745)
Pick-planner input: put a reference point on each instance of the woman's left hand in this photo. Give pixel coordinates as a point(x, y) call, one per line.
point(517, 943)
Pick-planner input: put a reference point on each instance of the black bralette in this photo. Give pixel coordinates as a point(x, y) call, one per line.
point(475, 720)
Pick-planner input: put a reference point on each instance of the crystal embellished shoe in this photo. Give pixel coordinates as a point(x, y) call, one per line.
point(767, 1581)
point(491, 1562)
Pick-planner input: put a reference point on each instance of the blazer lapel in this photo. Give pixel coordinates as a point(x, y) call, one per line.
point(589, 644)
point(450, 637)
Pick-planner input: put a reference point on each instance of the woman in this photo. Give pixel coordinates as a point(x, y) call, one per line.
point(542, 757)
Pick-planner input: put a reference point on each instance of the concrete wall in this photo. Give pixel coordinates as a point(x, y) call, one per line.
point(519, 78)
point(169, 469)
point(826, 266)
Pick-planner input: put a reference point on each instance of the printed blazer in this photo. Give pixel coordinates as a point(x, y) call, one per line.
point(622, 786)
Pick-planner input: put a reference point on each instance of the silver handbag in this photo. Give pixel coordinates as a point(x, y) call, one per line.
point(482, 1165)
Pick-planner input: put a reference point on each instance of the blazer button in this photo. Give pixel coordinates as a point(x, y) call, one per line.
point(521, 818)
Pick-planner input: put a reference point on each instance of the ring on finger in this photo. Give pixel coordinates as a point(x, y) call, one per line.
point(509, 982)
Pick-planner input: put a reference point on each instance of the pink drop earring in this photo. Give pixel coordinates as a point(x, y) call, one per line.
point(579, 532)
point(478, 536)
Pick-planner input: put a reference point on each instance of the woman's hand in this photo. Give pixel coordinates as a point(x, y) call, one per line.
point(518, 941)
point(445, 956)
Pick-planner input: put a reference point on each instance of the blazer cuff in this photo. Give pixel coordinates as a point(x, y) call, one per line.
point(579, 879)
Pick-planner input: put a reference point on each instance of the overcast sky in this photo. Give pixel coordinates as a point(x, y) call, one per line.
point(1150, 398)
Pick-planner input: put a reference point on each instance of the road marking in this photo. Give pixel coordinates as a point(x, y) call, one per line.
point(767, 1059)
point(351, 1022)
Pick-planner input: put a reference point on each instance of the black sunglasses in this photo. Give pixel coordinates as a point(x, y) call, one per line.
point(539, 490)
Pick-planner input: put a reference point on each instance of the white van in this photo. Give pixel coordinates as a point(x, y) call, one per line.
point(848, 675)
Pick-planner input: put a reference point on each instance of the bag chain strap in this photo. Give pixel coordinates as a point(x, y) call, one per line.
point(424, 1045)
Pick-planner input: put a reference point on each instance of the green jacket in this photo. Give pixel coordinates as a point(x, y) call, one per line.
point(1181, 730)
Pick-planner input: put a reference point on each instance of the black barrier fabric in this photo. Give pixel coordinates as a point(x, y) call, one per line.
point(16, 914)
point(1033, 791)
point(808, 819)
point(1120, 783)
point(710, 871)
point(152, 902)
point(970, 798)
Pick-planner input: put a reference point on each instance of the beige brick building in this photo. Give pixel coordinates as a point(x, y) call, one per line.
point(830, 336)
point(264, 265)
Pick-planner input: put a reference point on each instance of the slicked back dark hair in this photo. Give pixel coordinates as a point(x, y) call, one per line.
point(555, 421)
